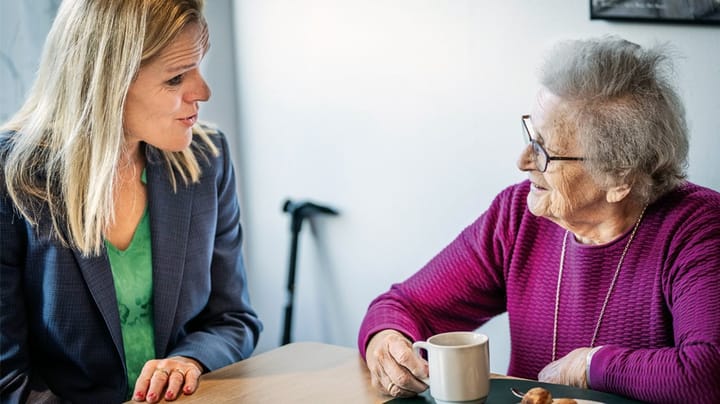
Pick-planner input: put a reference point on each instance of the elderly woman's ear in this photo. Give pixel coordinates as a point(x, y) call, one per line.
point(618, 193)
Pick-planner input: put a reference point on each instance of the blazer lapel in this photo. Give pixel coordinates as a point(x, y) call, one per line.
point(99, 280)
point(169, 225)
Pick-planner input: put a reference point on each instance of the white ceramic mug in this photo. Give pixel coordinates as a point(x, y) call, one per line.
point(459, 366)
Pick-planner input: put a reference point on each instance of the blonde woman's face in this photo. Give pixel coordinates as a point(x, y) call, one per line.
point(163, 101)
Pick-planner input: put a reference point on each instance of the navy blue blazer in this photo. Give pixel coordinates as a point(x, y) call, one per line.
point(59, 321)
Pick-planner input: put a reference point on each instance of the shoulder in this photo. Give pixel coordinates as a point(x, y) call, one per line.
point(689, 201)
point(694, 193)
point(686, 219)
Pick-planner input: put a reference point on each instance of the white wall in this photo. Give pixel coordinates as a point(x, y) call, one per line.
point(22, 34)
point(403, 114)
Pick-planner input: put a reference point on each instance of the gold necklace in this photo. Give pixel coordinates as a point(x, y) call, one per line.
point(607, 296)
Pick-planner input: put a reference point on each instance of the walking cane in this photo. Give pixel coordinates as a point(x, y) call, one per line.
point(298, 212)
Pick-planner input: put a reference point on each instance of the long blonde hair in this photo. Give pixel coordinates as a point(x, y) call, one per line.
point(62, 157)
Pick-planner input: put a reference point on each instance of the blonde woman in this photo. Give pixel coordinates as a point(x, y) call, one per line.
point(122, 273)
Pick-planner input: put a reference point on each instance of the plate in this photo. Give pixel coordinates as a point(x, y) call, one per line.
point(581, 401)
point(500, 393)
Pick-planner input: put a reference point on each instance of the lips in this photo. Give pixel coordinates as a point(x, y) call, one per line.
point(189, 120)
point(537, 187)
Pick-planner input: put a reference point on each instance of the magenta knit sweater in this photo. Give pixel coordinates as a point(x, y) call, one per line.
point(661, 329)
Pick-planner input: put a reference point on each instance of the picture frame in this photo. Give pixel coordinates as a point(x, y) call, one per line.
point(657, 11)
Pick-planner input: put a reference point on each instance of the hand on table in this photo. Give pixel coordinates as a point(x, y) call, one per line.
point(394, 367)
point(569, 370)
point(166, 378)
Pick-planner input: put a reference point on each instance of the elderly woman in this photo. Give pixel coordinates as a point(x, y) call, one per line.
point(606, 260)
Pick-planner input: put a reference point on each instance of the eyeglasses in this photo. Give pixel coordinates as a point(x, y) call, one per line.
point(540, 156)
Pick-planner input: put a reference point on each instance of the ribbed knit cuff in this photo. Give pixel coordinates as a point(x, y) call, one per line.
point(588, 359)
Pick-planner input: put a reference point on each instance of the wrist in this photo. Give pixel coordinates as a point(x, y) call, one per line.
point(588, 359)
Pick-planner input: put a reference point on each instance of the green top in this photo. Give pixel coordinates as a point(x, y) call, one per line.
point(132, 276)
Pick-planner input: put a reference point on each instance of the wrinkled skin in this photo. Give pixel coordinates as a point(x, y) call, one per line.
point(570, 369)
point(394, 368)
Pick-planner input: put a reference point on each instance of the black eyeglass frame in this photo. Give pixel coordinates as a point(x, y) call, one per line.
point(539, 151)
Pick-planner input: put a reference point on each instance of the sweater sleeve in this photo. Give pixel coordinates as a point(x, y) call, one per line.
point(461, 288)
point(686, 371)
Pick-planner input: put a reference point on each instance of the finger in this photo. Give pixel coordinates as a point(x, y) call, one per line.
point(373, 358)
point(175, 383)
point(548, 374)
point(405, 368)
point(143, 381)
point(396, 376)
point(384, 368)
point(379, 358)
point(376, 364)
point(158, 382)
point(192, 380)
point(397, 391)
point(380, 379)
point(404, 355)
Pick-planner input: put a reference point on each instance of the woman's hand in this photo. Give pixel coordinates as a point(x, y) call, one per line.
point(570, 369)
point(164, 378)
point(394, 368)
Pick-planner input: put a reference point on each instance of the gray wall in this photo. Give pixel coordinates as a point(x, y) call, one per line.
point(22, 34)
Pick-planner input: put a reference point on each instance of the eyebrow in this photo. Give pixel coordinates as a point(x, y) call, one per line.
point(181, 68)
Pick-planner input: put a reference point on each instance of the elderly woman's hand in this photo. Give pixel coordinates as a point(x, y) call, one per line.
point(394, 368)
point(166, 378)
point(570, 369)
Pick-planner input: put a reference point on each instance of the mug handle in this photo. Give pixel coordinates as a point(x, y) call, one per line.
point(417, 346)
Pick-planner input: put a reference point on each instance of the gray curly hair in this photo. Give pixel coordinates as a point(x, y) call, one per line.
point(626, 113)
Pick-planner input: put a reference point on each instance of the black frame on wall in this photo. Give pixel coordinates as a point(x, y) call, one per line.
point(667, 11)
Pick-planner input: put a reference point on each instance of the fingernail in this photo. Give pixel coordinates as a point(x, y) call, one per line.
point(139, 395)
point(187, 390)
point(169, 395)
point(151, 397)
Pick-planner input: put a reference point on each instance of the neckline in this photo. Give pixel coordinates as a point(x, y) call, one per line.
point(622, 238)
point(111, 247)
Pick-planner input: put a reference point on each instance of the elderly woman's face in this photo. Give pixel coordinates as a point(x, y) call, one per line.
point(162, 101)
point(565, 192)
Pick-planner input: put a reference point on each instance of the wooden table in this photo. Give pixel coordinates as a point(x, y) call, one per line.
point(301, 372)
point(311, 372)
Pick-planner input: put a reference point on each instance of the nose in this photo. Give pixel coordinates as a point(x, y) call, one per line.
point(526, 161)
point(200, 91)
